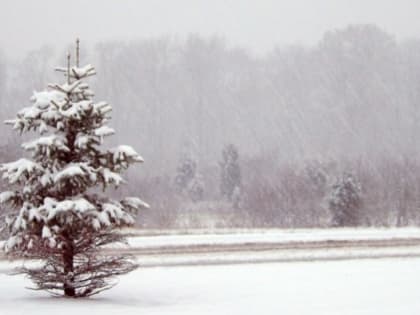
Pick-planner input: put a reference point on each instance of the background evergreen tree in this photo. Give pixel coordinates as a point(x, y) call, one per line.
point(188, 180)
point(345, 201)
point(55, 213)
point(185, 173)
point(195, 188)
point(230, 172)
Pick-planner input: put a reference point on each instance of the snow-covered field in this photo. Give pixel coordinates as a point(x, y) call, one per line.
point(199, 274)
point(386, 286)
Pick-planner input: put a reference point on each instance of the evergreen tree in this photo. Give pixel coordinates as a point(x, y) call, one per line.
point(188, 180)
point(57, 215)
point(230, 172)
point(195, 188)
point(185, 173)
point(345, 201)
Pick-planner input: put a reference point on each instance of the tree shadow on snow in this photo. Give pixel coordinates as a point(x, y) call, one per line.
point(141, 301)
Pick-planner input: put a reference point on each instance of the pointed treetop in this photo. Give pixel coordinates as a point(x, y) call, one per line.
point(68, 67)
point(58, 213)
point(77, 52)
point(76, 72)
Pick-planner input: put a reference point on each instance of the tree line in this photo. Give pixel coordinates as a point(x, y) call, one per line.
point(339, 118)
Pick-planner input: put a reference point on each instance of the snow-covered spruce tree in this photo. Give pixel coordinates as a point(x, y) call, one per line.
point(188, 180)
point(57, 214)
point(230, 172)
point(345, 201)
point(195, 188)
point(185, 173)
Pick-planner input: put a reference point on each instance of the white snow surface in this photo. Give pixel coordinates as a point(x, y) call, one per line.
point(76, 169)
point(46, 232)
point(111, 177)
point(104, 131)
point(123, 152)
point(52, 207)
point(388, 286)
point(68, 172)
point(55, 141)
point(82, 141)
point(6, 196)
point(135, 202)
point(43, 99)
point(13, 171)
point(81, 72)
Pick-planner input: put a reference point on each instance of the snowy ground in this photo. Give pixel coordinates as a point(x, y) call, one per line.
point(320, 273)
point(386, 286)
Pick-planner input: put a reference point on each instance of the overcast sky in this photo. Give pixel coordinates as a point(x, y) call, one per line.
point(257, 24)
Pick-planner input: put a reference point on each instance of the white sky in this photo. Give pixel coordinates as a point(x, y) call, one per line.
point(257, 24)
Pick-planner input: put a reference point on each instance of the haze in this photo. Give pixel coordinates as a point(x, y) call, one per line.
point(258, 25)
point(197, 83)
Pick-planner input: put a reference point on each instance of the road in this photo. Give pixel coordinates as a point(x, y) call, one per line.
point(169, 249)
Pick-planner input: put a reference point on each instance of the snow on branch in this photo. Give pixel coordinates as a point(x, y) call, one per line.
point(66, 87)
point(134, 203)
point(111, 177)
point(125, 153)
point(78, 72)
point(58, 216)
point(6, 196)
point(15, 171)
point(104, 131)
point(51, 207)
point(46, 145)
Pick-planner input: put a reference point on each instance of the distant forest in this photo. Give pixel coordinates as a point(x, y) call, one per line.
point(303, 136)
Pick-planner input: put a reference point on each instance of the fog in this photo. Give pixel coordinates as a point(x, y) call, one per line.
point(291, 96)
point(256, 25)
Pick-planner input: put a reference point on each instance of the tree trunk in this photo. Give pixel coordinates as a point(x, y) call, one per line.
point(68, 255)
